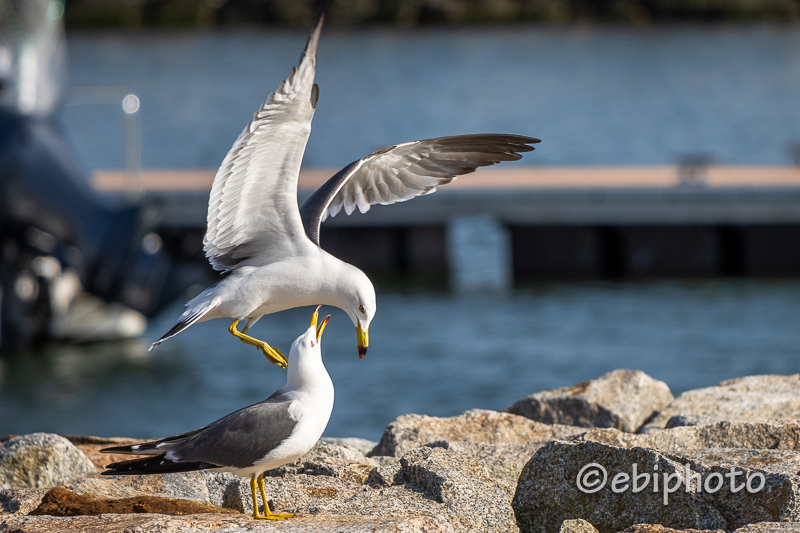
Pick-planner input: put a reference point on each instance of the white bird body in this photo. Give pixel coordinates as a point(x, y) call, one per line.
point(255, 439)
point(310, 390)
point(272, 248)
point(251, 292)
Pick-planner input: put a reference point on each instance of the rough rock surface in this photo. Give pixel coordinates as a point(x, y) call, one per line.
point(781, 435)
point(751, 398)
point(429, 489)
point(19, 502)
point(770, 527)
point(622, 399)
point(204, 523)
point(91, 446)
point(548, 492)
point(60, 501)
point(502, 461)
point(447, 485)
point(657, 528)
point(362, 445)
point(329, 459)
point(411, 431)
point(41, 460)
point(188, 485)
point(473, 501)
point(688, 420)
point(576, 525)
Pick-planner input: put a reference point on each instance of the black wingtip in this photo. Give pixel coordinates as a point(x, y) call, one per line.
point(158, 464)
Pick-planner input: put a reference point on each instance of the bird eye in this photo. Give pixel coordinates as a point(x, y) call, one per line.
point(312, 344)
point(361, 308)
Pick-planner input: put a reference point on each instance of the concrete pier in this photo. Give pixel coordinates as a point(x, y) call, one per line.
point(562, 222)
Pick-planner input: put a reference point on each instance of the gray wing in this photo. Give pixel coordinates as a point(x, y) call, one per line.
point(404, 171)
point(252, 208)
point(239, 439)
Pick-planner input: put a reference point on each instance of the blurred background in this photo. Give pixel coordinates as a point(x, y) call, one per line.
point(656, 227)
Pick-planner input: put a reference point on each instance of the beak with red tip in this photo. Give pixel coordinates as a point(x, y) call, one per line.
point(363, 341)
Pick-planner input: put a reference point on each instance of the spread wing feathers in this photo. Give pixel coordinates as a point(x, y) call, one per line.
point(404, 171)
point(237, 440)
point(252, 208)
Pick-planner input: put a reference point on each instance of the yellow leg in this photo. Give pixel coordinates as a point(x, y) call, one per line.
point(273, 354)
point(256, 514)
point(269, 515)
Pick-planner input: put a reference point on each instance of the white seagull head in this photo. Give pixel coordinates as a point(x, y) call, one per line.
point(312, 337)
point(359, 303)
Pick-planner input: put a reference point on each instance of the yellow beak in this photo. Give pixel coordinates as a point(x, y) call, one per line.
point(363, 341)
point(321, 326)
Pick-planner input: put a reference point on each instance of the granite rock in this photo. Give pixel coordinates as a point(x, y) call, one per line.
point(411, 431)
point(205, 523)
point(445, 485)
point(19, 502)
point(751, 398)
point(657, 528)
point(428, 489)
point(688, 420)
point(362, 445)
point(329, 459)
point(187, 485)
point(770, 527)
point(576, 525)
point(503, 462)
point(91, 447)
point(60, 501)
point(473, 501)
point(780, 435)
point(622, 399)
point(41, 460)
point(548, 492)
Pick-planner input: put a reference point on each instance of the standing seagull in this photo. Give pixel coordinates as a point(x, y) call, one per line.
point(272, 249)
point(255, 439)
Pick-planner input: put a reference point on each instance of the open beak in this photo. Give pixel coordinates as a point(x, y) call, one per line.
point(321, 326)
point(363, 341)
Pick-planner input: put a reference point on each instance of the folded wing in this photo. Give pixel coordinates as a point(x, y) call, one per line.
point(404, 171)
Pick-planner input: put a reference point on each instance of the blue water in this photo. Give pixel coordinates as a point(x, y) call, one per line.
point(432, 353)
point(595, 96)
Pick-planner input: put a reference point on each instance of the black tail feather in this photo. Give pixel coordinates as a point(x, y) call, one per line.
point(181, 325)
point(153, 465)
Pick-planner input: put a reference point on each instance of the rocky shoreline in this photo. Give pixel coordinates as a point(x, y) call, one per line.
point(613, 454)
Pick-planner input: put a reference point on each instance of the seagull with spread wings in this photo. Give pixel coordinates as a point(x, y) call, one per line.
point(271, 248)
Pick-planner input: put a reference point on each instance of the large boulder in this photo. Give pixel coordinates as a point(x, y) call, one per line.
point(622, 399)
point(751, 398)
point(705, 489)
point(41, 460)
point(780, 435)
point(448, 486)
point(411, 431)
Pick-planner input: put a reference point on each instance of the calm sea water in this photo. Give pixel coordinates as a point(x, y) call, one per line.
point(595, 96)
point(431, 353)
